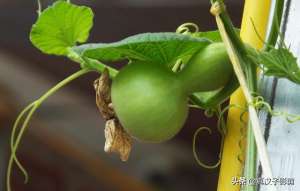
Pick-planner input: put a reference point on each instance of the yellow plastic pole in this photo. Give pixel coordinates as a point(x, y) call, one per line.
point(258, 11)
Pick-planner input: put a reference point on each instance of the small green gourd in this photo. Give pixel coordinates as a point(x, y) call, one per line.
point(151, 101)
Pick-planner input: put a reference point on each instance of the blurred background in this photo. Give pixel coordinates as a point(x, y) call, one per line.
point(63, 148)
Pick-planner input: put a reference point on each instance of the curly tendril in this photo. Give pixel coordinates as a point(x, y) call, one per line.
point(259, 103)
point(209, 112)
point(187, 28)
point(195, 153)
point(221, 127)
point(223, 130)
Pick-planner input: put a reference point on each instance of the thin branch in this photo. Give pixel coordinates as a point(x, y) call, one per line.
point(39, 10)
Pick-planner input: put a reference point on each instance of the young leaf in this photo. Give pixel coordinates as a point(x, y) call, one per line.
point(280, 63)
point(60, 26)
point(163, 48)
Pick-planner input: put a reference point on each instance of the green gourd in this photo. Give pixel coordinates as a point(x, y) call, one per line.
point(207, 70)
point(151, 101)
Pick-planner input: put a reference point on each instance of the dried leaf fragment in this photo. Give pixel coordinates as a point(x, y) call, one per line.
point(103, 99)
point(117, 139)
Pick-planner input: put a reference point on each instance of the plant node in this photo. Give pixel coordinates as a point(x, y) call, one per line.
point(217, 8)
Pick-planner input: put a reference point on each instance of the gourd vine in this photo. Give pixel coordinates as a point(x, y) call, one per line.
point(27, 114)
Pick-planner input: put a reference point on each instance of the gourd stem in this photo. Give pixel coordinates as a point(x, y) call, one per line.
point(91, 64)
point(99, 66)
point(39, 10)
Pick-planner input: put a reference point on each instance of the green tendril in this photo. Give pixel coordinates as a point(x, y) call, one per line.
point(194, 106)
point(241, 141)
point(221, 127)
point(200, 163)
point(225, 109)
point(39, 10)
point(260, 104)
point(267, 45)
point(28, 112)
point(13, 134)
point(13, 157)
point(223, 131)
point(209, 112)
point(241, 154)
point(260, 38)
point(242, 128)
point(187, 28)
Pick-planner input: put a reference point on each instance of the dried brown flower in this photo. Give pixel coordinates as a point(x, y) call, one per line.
point(103, 99)
point(117, 139)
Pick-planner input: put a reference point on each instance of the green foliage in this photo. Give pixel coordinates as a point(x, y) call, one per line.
point(279, 63)
point(163, 48)
point(149, 100)
point(214, 35)
point(60, 26)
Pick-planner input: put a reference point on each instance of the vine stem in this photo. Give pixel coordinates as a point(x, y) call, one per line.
point(92, 64)
point(261, 145)
point(39, 10)
point(275, 26)
point(32, 108)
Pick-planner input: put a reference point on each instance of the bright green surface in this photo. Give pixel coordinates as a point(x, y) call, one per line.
point(60, 26)
point(149, 101)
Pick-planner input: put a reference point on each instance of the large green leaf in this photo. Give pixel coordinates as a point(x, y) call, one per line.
point(163, 48)
point(60, 26)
